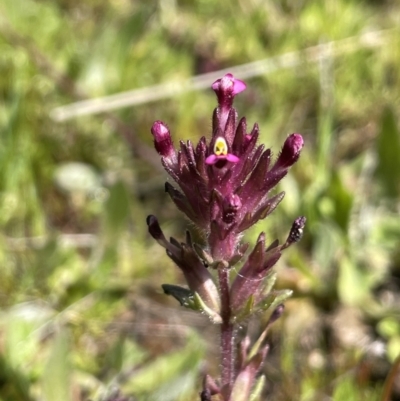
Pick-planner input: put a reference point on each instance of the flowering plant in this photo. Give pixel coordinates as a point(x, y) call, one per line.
point(225, 188)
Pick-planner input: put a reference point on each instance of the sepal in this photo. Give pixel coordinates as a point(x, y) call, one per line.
point(244, 383)
point(185, 257)
point(274, 298)
point(238, 255)
point(183, 295)
point(269, 283)
point(245, 312)
point(252, 304)
point(250, 278)
point(203, 255)
point(210, 388)
point(203, 308)
point(191, 300)
point(257, 389)
point(276, 314)
point(181, 202)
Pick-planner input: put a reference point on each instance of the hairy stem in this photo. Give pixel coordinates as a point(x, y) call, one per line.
point(227, 333)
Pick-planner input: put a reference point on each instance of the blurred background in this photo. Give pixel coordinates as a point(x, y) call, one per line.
point(82, 314)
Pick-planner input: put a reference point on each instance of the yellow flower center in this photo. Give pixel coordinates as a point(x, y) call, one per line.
point(220, 147)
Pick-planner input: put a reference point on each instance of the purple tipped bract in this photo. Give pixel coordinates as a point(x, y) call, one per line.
point(224, 186)
point(230, 164)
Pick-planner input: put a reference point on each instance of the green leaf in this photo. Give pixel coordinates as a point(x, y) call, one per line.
point(353, 285)
point(22, 325)
point(327, 241)
point(14, 384)
point(168, 376)
point(56, 378)
point(117, 207)
point(389, 327)
point(258, 388)
point(201, 306)
point(274, 299)
point(393, 348)
point(246, 310)
point(270, 302)
point(388, 148)
point(191, 300)
point(342, 200)
point(346, 389)
point(184, 296)
point(269, 283)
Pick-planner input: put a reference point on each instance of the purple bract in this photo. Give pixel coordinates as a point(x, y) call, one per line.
point(225, 185)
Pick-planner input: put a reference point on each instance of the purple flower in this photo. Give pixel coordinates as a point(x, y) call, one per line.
point(221, 152)
point(226, 89)
point(225, 186)
point(228, 85)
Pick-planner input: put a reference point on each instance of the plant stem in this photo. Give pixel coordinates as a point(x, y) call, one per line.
point(390, 380)
point(227, 333)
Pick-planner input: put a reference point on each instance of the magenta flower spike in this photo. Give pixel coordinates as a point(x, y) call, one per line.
point(224, 187)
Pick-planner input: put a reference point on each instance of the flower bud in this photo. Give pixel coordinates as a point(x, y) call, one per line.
point(290, 152)
point(276, 314)
point(226, 89)
point(162, 140)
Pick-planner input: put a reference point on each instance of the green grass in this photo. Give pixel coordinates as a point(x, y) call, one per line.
point(81, 309)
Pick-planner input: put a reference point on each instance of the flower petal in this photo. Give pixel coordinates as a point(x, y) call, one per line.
point(212, 159)
point(232, 158)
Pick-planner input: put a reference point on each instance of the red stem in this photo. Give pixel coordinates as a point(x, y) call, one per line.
point(227, 334)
